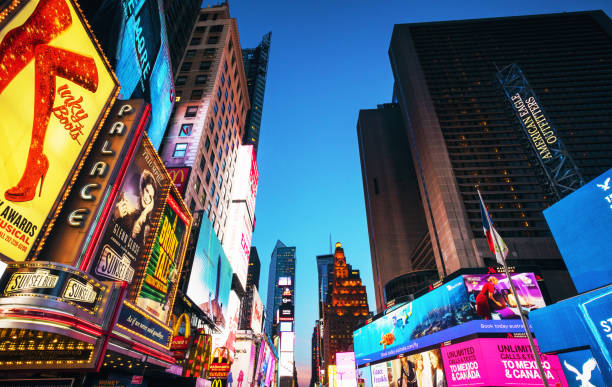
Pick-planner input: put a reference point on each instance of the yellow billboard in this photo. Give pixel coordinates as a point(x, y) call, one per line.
point(55, 89)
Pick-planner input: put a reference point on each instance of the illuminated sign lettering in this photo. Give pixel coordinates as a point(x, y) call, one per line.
point(78, 291)
point(536, 124)
point(114, 266)
point(40, 279)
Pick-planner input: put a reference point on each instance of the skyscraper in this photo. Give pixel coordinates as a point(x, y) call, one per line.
point(325, 265)
point(256, 69)
point(180, 19)
point(396, 220)
point(206, 128)
point(282, 265)
point(252, 283)
point(346, 308)
point(463, 131)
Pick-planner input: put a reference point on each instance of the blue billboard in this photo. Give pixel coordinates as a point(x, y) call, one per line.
point(581, 369)
point(580, 224)
point(210, 281)
point(468, 304)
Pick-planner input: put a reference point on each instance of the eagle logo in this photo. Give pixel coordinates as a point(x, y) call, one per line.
point(587, 370)
point(606, 185)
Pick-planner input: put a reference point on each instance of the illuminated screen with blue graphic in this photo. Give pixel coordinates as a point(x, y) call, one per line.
point(475, 303)
point(580, 224)
point(581, 369)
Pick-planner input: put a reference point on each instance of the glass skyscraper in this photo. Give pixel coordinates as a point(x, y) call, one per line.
point(256, 68)
point(282, 264)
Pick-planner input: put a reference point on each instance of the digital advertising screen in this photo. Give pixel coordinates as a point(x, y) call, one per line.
point(345, 369)
point(57, 101)
point(505, 305)
point(138, 207)
point(285, 365)
point(227, 337)
point(246, 179)
point(287, 340)
point(580, 367)
point(380, 377)
point(242, 367)
point(286, 326)
point(284, 281)
point(237, 240)
point(364, 377)
point(446, 313)
point(580, 224)
point(157, 292)
point(256, 312)
point(498, 362)
point(211, 275)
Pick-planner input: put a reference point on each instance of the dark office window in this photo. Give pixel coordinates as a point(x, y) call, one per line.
point(211, 126)
point(216, 170)
point(223, 137)
point(212, 189)
point(205, 65)
point(222, 108)
point(216, 139)
point(376, 186)
point(225, 66)
point(219, 124)
point(185, 130)
point(222, 81)
point(217, 28)
point(180, 81)
point(217, 200)
point(219, 93)
point(201, 79)
point(192, 205)
point(202, 163)
point(207, 143)
point(196, 94)
point(186, 66)
point(196, 186)
point(216, 108)
point(215, 16)
point(191, 111)
point(190, 53)
point(195, 41)
point(225, 93)
point(209, 52)
point(200, 29)
point(180, 149)
point(203, 17)
point(208, 175)
point(213, 40)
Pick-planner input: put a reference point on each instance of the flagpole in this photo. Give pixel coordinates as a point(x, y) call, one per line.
point(534, 350)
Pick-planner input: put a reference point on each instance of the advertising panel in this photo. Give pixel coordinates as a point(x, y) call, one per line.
point(47, 55)
point(446, 313)
point(180, 177)
point(498, 362)
point(331, 375)
point(211, 275)
point(237, 241)
point(284, 281)
point(241, 367)
point(580, 224)
point(364, 377)
point(271, 364)
point(379, 375)
point(246, 179)
point(505, 305)
point(124, 247)
point(159, 286)
point(227, 337)
point(286, 326)
point(143, 327)
point(345, 369)
point(581, 368)
point(287, 339)
point(256, 313)
point(84, 212)
point(285, 365)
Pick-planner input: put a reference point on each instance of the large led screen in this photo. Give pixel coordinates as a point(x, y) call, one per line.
point(227, 337)
point(579, 366)
point(446, 313)
point(55, 88)
point(364, 377)
point(211, 275)
point(345, 369)
point(498, 362)
point(256, 312)
point(580, 224)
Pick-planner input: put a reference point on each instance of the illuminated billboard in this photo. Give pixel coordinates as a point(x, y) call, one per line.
point(242, 367)
point(364, 377)
point(457, 308)
point(211, 275)
point(246, 178)
point(286, 326)
point(256, 312)
point(160, 282)
point(124, 246)
point(345, 369)
point(498, 362)
point(227, 337)
point(237, 240)
point(285, 365)
point(180, 177)
point(55, 89)
point(580, 224)
point(284, 281)
point(331, 375)
point(287, 339)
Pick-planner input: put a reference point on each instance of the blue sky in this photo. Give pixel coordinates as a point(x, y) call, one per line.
point(328, 60)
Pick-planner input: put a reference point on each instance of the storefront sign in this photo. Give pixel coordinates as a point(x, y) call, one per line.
point(598, 316)
point(49, 280)
point(143, 327)
point(51, 58)
point(220, 364)
point(82, 215)
point(180, 177)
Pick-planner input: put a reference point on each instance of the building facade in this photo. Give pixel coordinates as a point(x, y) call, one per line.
point(463, 132)
point(396, 220)
point(282, 265)
point(246, 306)
point(346, 308)
point(206, 128)
point(256, 69)
point(325, 266)
point(180, 19)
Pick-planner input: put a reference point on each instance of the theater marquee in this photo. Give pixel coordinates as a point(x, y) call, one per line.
point(55, 89)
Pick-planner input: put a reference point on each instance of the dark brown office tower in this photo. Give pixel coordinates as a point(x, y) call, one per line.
point(463, 131)
point(400, 247)
point(180, 19)
point(246, 310)
point(345, 310)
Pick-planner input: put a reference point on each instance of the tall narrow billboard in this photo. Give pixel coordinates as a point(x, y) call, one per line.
point(256, 312)
point(55, 87)
point(211, 275)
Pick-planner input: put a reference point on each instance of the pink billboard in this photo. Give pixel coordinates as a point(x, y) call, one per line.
point(346, 374)
point(498, 362)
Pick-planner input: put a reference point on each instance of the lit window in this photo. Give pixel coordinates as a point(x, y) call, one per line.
point(191, 111)
point(180, 149)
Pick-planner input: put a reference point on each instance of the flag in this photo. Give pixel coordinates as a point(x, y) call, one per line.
point(496, 244)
